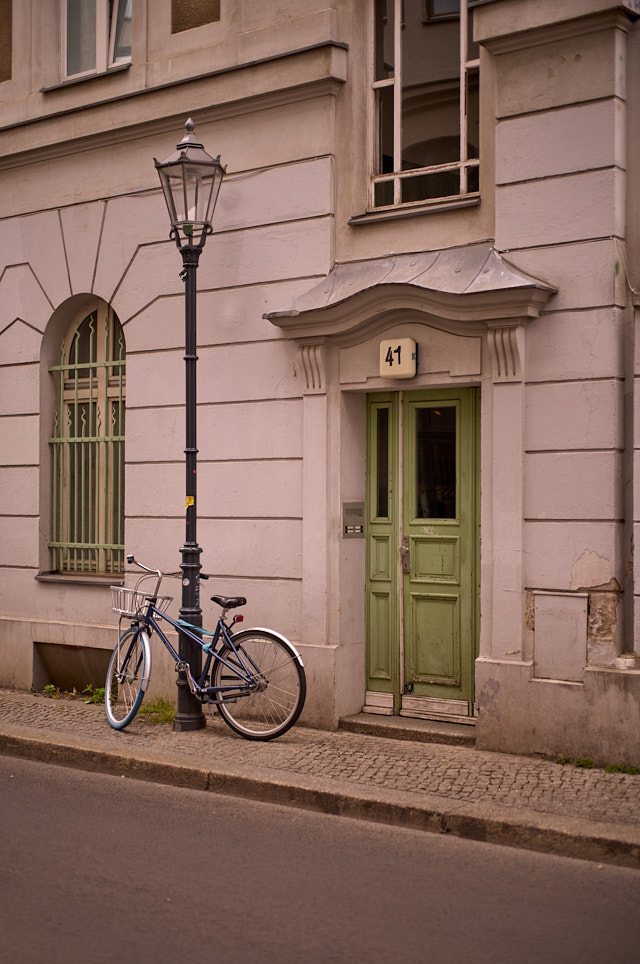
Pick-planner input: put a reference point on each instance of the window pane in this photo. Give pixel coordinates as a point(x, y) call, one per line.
point(385, 130)
point(194, 13)
point(436, 463)
point(473, 179)
point(6, 33)
point(426, 187)
point(83, 347)
point(122, 42)
point(383, 193)
point(473, 50)
point(81, 478)
point(473, 114)
point(81, 36)
point(382, 466)
point(443, 8)
point(384, 39)
point(430, 90)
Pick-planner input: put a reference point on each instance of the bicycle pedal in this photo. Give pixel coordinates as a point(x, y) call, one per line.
point(183, 667)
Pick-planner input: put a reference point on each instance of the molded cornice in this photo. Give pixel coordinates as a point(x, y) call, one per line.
point(619, 18)
point(290, 77)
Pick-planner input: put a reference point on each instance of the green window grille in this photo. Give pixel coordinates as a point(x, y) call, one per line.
point(88, 448)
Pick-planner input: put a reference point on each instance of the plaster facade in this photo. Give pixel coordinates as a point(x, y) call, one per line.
point(527, 292)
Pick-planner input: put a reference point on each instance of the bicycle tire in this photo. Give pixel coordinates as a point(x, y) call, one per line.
point(276, 705)
point(127, 677)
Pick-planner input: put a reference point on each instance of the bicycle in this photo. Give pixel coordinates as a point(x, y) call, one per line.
point(254, 677)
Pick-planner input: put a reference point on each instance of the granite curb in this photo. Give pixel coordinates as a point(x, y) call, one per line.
point(230, 766)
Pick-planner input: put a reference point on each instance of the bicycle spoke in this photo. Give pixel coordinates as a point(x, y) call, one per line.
point(278, 681)
point(125, 677)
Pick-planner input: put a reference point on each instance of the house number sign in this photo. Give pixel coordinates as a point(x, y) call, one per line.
point(398, 359)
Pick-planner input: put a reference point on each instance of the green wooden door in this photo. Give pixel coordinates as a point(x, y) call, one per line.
point(422, 553)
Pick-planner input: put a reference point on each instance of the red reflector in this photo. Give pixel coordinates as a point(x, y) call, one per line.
point(239, 619)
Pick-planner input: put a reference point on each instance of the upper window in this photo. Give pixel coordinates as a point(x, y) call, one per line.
point(96, 35)
point(5, 40)
point(425, 98)
point(87, 443)
point(196, 13)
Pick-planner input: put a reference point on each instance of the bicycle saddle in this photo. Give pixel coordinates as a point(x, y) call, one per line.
point(229, 602)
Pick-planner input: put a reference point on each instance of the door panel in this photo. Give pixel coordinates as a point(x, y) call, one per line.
point(383, 629)
point(432, 648)
point(380, 660)
point(439, 510)
point(422, 552)
point(435, 558)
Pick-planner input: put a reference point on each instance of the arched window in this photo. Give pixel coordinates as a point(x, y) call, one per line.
point(87, 443)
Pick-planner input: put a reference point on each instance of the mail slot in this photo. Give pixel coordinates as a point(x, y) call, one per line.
point(353, 520)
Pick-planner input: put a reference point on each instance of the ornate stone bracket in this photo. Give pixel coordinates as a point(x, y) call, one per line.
point(310, 366)
point(505, 351)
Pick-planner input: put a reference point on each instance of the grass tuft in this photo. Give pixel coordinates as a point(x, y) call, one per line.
point(158, 710)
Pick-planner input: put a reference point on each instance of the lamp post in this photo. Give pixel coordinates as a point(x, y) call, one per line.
point(190, 179)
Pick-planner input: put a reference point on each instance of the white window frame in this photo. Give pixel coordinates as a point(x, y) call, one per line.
point(464, 163)
point(106, 26)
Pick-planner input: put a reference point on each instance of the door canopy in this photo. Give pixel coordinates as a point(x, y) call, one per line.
point(473, 287)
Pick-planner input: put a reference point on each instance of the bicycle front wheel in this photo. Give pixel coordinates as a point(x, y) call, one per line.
point(127, 677)
point(279, 685)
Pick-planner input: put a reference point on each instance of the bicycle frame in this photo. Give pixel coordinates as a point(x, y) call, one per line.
point(212, 694)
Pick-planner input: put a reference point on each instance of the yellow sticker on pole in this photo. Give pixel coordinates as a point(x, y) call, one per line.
point(190, 501)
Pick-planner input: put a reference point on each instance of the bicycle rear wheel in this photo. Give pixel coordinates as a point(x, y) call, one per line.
point(127, 677)
point(276, 702)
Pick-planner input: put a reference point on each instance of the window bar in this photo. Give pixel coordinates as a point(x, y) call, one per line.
point(59, 460)
point(103, 530)
point(82, 445)
point(76, 532)
point(397, 101)
point(90, 445)
point(57, 488)
point(100, 446)
point(464, 24)
point(115, 506)
point(68, 514)
point(120, 466)
point(100, 528)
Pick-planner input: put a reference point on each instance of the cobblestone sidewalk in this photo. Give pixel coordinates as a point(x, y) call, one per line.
point(416, 773)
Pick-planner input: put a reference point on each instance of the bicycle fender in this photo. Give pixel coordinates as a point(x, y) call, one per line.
point(271, 632)
point(144, 685)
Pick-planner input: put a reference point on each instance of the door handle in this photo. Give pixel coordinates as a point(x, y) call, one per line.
point(405, 556)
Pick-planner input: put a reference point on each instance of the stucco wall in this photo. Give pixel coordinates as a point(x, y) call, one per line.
point(279, 91)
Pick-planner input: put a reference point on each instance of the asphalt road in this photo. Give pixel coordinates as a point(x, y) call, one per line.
point(98, 868)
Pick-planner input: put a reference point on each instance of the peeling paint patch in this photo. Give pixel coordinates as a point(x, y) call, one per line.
point(488, 699)
point(590, 570)
point(603, 608)
point(529, 612)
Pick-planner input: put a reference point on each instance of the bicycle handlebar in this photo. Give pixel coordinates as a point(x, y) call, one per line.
point(132, 561)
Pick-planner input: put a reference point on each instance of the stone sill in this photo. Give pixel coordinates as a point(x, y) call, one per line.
point(69, 580)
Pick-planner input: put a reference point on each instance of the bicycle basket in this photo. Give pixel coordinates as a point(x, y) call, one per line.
point(130, 602)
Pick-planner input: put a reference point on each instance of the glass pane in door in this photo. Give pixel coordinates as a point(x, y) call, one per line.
point(436, 462)
point(382, 466)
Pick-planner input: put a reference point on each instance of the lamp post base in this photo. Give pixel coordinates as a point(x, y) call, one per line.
point(189, 715)
point(183, 724)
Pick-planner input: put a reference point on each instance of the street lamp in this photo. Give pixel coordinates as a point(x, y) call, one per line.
point(190, 179)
